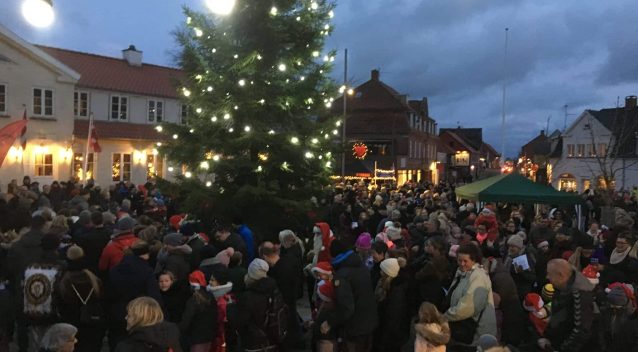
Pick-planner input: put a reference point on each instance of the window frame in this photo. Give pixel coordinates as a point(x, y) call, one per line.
point(571, 153)
point(76, 109)
point(90, 165)
point(41, 166)
point(122, 167)
point(4, 95)
point(43, 106)
point(155, 102)
point(119, 107)
point(580, 150)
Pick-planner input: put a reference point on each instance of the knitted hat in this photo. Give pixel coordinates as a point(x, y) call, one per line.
point(533, 302)
point(124, 225)
point(619, 294)
point(393, 233)
point(326, 291)
point(591, 273)
point(515, 240)
point(197, 279)
point(389, 224)
point(323, 268)
point(548, 292)
point(364, 241)
point(485, 342)
point(74, 252)
point(173, 239)
point(390, 267)
point(223, 257)
point(258, 269)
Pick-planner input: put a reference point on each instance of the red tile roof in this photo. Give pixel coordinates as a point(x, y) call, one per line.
point(117, 130)
point(108, 73)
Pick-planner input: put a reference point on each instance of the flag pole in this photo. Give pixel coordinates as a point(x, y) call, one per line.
point(23, 145)
point(88, 142)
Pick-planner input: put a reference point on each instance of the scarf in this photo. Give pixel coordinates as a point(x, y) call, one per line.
point(617, 257)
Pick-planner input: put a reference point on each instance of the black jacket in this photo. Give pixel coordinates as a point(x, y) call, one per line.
point(129, 279)
point(287, 273)
point(177, 262)
point(235, 242)
point(158, 337)
point(24, 252)
point(253, 306)
point(394, 321)
point(569, 329)
point(199, 321)
point(356, 308)
point(627, 339)
point(175, 299)
point(93, 243)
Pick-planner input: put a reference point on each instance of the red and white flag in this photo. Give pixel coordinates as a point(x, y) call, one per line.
point(8, 135)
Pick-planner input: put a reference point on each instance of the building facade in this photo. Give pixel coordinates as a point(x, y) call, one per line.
point(469, 157)
point(599, 147)
point(61, 89)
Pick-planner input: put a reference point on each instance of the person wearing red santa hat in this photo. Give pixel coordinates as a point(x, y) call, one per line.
point(538, 315)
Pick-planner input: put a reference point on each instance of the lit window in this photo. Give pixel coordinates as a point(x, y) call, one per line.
point(43, 164)
point(121, 167)
point(154, 166)
point(78, 166)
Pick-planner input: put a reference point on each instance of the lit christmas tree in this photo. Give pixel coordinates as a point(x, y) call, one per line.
point(258, 141)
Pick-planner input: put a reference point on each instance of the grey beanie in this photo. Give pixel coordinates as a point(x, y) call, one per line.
point(257, 270)
point(516, 240)
point(617, 297)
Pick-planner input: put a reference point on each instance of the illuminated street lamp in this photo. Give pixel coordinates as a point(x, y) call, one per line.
point(38, 13)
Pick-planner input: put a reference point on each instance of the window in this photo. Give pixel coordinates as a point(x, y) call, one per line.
point(121, 167)
point(591, 151)
point(119, 107)
point(184, 113)
point(154, 166)
point(42, 102)
point(81, 104)
point(602, 150)
point(78, 166)
point(44, 164)
point(570, 150)
point(581, 150)
point(155, 110)
point(3, 98)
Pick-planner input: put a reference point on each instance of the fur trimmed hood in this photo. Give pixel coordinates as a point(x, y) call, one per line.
point(433, 333)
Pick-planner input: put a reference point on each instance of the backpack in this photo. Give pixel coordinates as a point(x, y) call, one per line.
point(276, 323)
point(91, 312)
point(39, 284)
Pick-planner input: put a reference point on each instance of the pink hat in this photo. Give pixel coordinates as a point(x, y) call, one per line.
point(223, 257)
point(326, 291)
point(364, 241)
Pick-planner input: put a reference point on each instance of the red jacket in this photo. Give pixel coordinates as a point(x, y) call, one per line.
point(114, 251)
point(326, 239)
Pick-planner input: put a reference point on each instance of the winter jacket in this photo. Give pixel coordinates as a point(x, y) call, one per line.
point(249, 240)
point(196, 243)
point(569, 328)
point(223, 298)
point(514, 319)
point(236, 275)
point(287, 272)
point(24, 252)
point(431, 337)
point(356, 307)
point(176, 261)
point(430, 280)
point(114, 251)
point(524, 279)
point(471, 297)
point(394, 322)
point(175, 299)
point(235, 242)
point(199, 321)
point(158, 337)
point(93, 243)
point(131, 278)
point(253, 307)
point(627, 339)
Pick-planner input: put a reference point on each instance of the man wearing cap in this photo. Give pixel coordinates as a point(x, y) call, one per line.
point(570, 326)
point(122, 238)
point(174, 257)
point(356, 309)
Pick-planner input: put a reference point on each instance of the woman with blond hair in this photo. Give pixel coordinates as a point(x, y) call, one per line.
point(432, 330)
point(147, 329)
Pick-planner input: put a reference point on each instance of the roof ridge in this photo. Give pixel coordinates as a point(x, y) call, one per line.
point(102, 56)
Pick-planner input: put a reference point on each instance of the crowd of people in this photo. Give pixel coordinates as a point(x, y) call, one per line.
point(408, 268)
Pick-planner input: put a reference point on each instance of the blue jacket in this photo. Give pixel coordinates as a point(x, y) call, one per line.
point(247, 235)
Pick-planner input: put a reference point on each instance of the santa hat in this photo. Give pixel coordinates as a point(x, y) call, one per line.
point(175, 221)
point(592, 274)
point(197, 279)
point(326, 291)
point(617, 290)
point(322, 268)
point(533, 302)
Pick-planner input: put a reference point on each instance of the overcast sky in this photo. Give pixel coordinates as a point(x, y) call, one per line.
point(582, 53)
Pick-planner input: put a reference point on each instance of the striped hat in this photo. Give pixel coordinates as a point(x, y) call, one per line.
point(548, 292)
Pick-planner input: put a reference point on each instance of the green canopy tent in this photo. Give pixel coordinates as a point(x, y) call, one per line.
point(515, 188)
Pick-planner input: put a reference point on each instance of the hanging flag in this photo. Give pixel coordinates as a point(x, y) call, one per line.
point(93, 140)
point(8, 135)
point(23, 134)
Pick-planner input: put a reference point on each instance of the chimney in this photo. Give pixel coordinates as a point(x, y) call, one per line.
point(374, 75)
point(132, 56)
point(630, 102)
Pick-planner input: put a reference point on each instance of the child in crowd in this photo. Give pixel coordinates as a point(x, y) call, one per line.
point(432, 330)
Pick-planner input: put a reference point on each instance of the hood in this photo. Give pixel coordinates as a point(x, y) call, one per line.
point(326, 233)
point(124, 241)
point(222, 290)
point(159, 334)
point(580, 283)
point(183, 250)
point(265, 285)
point(434, 333)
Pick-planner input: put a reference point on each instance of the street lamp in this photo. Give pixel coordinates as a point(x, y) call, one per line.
point(221, 7)
point(38, 13)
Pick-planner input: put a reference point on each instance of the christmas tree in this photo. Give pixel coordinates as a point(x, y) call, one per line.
point(258, 141)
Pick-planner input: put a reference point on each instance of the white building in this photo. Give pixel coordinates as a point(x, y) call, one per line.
point(126, 97)
point(598, 140)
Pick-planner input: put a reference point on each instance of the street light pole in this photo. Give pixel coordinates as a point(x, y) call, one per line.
point(345, 107)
